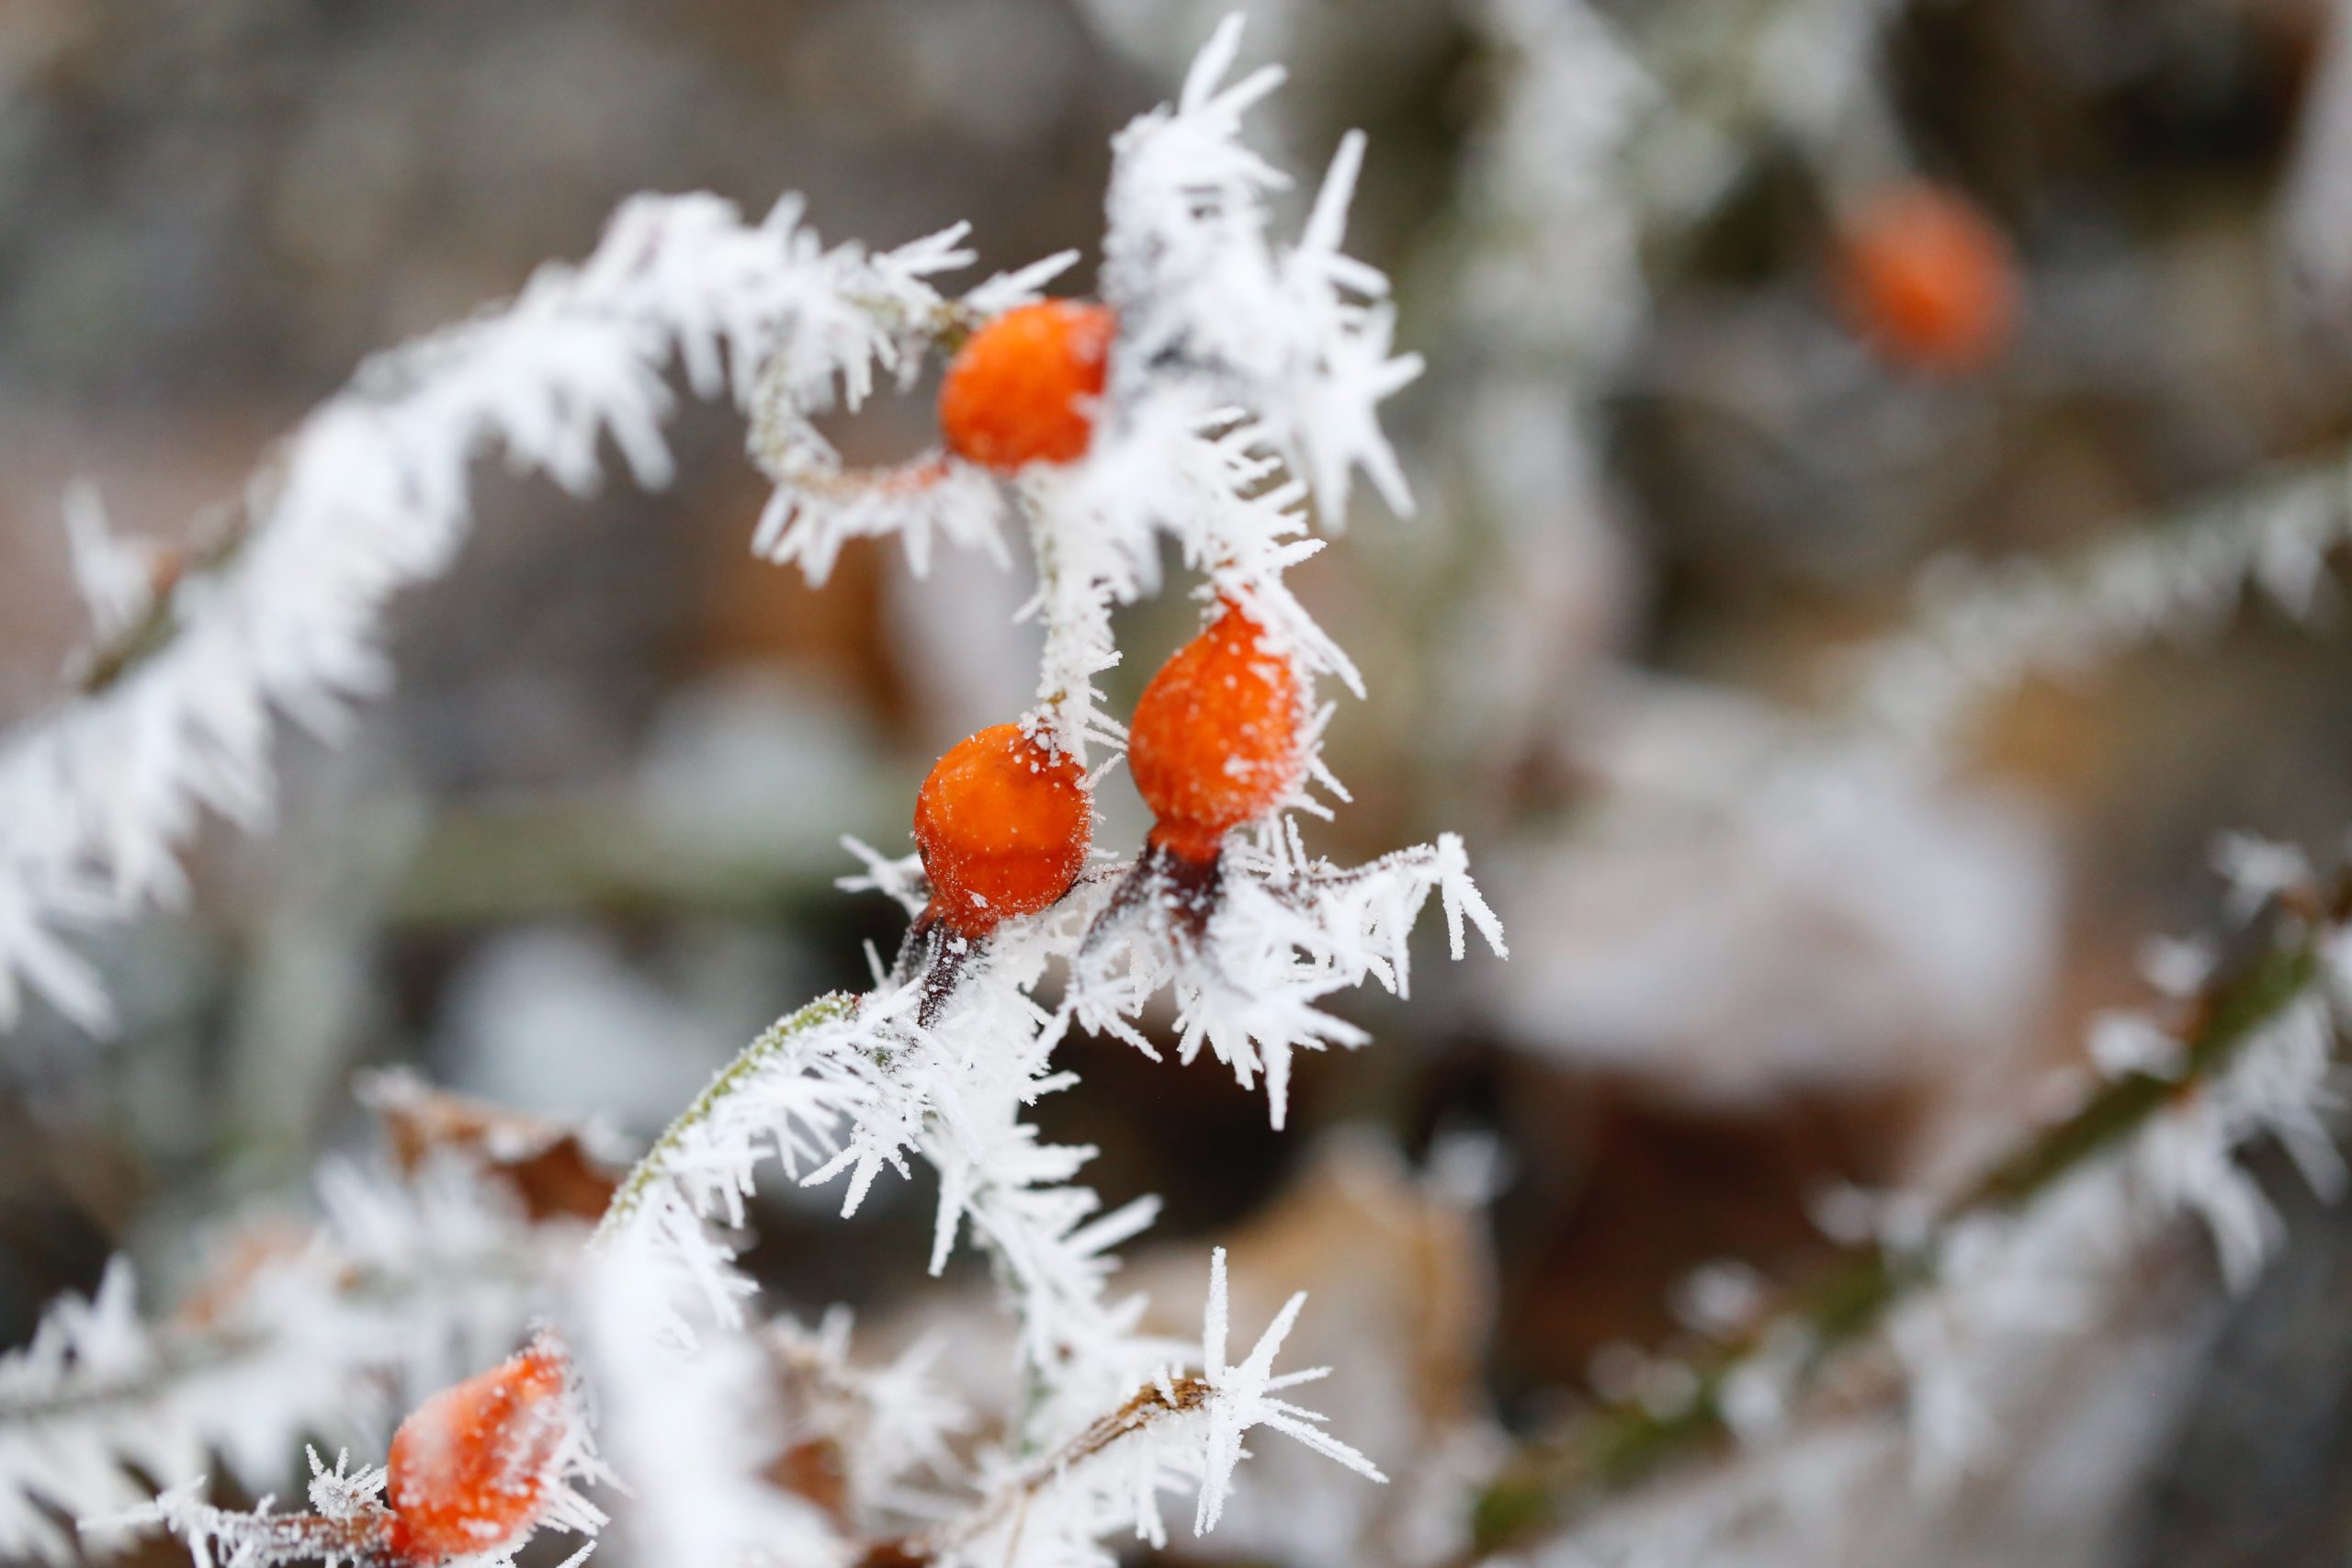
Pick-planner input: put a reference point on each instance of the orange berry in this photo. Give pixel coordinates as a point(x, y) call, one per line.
point(1214, 741)
point(468, 1469)
point(1002, 825)
point(1928, 279)
point(1020, 389)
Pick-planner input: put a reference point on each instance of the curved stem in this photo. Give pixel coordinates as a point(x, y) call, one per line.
point(654, 1166)
point(1617, 1444)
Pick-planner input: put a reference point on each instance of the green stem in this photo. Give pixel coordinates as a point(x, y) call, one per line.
point(631, 1193)
point(1618, 1444)
point(2228, 1017)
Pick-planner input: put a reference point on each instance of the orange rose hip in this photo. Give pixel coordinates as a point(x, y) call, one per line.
point(1021, 389)
point(1214, 741)
point(468, 1468)
point(1002, 825)
point(1928, 279)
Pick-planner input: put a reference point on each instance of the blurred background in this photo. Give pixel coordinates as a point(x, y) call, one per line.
point(1745, 318)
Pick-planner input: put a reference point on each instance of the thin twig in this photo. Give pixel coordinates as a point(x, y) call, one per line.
point(1152, 1403)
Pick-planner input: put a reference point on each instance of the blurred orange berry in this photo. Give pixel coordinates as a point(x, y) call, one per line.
point(1021, 389)
point(1926, 278)
point(1214, 741)
point(468, 1469)
point(1002, 825)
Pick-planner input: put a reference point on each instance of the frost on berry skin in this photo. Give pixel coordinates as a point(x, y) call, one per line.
point(1022, 390)
point(1215, 739)
point(1002, 825)
point(470, 1468)
point(473, 1471)
point(1926, 278)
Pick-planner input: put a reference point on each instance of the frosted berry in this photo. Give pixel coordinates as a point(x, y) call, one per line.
point(468, 1468)
point(1021, 389)
point(1214, 741)
point(1002, 825)
point(1928, 279)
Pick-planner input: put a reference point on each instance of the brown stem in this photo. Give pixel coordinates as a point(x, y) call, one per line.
point(1150, 1404)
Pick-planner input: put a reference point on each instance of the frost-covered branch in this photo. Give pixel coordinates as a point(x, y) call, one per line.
point(854, 1087)
point(281, 614)
point(2249, 1056)
point(1292, 930)
point(681, 1153)
point(1901, 707)
point(1981, 631)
